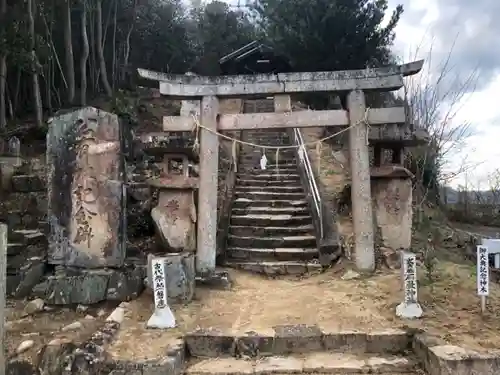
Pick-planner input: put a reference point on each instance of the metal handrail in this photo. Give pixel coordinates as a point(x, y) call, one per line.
point(313, 186)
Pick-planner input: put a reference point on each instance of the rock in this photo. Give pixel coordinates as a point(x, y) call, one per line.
point(350, 275)
point(27, 183)
point(72, 327)
point(81, 308)
point(101, 313)
point(391, 258)
point(31, 274)
point(33, 307)
point(52, 359)
point(89, 317)
point(24, 346)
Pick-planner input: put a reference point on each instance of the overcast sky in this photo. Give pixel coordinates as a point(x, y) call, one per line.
point(469, 29)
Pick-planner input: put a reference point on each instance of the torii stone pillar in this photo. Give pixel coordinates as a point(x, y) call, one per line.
point(361, 197)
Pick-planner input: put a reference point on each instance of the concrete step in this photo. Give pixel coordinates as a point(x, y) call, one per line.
point(269, 220)
point(260, 210)
point(275, 268)
point(310, 363)
point(299, 242)
point(267, 195)
point(238, 230)
point(268, 176)
point(254, 182)
point(273, 254)
point(282, 188)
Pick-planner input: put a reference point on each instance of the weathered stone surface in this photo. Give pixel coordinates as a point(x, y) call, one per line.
point(298, 338)
point(221, 366)
point(208, 343)
point(91, 286)
point(333, 363)
point(175, 220)
point(392, 341)
point(86, 194)
point(393, 211)
point(344, 341)
point(454, 360)
point(52, 357)
point(17, 367)
point(125, 284)
point(283, 365)
point(171, 364)
point(180, 273)
point(30, 274)
point(27, 183)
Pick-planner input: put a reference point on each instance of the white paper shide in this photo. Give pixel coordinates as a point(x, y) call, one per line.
point(483, 279)
point(409, 308)
point(162, 316)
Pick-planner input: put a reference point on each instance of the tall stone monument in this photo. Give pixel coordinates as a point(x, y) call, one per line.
point(86, 189)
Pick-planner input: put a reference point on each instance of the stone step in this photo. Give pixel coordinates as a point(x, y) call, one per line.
point(269, 220)
point(270, 169)
point(273, 254)
point(310, 363)
point(267, 195)
point(268, 176)
point(270, 210)
point(304, 241)
point(254, 182)
point(282, 188)
point(275, 268)
point(244, 202)
point(270, 230)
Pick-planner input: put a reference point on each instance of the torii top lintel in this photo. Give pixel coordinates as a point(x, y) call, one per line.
point(375, 79)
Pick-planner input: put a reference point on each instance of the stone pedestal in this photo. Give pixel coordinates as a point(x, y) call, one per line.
point(180, 276)
point(392, 203)
point(175, 215)
point(86, 190)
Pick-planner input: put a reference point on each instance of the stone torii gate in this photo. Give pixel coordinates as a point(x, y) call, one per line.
point(209, 90)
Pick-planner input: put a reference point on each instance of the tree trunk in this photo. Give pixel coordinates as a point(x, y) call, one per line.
point(34, 64)
point(68, 46)
point(127, 43)
point(100, 52)
point(3, 70)
point(85, 55)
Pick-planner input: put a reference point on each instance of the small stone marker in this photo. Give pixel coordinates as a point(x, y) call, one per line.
point(409, 308)
point(162, 316)
point(14, 149)
point(483, 279)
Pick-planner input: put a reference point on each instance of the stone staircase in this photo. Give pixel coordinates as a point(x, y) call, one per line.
point(271, 229)
point(300, 350)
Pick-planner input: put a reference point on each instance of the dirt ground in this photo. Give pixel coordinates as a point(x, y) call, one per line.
point(451, 308)
point(44, 326)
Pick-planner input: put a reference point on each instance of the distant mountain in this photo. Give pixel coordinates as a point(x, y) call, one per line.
point(452, 196)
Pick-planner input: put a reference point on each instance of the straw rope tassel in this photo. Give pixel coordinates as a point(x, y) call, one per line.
point(277, 157)
point(233, 156)
point(318, 155)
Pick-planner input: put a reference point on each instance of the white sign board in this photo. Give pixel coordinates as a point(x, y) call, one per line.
point(409, 308)
point(410, 278)
point(159, 282)
point(162, 316)
point(483, 277)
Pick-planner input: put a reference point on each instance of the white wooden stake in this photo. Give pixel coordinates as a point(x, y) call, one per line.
point(483, 275)
point(3, 284)
point(162, 316)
